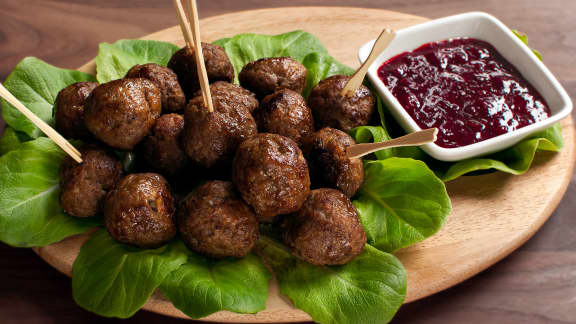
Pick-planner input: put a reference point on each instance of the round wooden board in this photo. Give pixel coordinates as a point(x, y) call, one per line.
point(492, 214)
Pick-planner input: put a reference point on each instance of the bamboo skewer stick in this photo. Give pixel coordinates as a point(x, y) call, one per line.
point(201, 66)
point(184, 25)
point(188, 20)
point(385, 38)
point(417, 138)
point(49, 131)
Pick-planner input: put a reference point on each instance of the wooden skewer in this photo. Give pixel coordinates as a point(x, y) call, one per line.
point(202, 75)
point(184, 26)
point(417, 138)
point(49, 131)
point(380, 45)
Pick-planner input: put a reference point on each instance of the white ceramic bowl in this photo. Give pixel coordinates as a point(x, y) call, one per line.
point(483, 27)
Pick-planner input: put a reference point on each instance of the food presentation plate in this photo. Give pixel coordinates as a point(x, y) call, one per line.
point(492, 214)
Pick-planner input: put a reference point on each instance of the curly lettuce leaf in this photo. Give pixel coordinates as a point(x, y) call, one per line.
point(368, 289)
point(300, 45)
point(401, 203)
point(115, 280)
point(203, 286)
point(36, 84)
point(30, 212)
point(114, 60)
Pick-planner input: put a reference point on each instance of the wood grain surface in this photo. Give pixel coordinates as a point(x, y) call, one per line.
point(535, 285)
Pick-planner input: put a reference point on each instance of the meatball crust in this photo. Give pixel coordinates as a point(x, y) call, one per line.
point(218, 67)
point(235, 93)
point(285, 113)
point(140, 210)
point(210, 138)
point(267, 75)
point(330, 109)
point(166, 81)
point(120, 113)
point(161, 149)
point(215, 222)
point(84, 185)
point(271, 174)
point(327, 230)
point(326, 153)
point(69, 110)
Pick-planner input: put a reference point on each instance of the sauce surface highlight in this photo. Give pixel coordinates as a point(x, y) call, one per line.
point(465, 88)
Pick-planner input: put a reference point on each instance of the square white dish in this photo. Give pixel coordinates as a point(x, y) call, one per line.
point(484, 27)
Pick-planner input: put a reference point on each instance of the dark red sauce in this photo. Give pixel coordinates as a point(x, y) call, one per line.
point(465, 88)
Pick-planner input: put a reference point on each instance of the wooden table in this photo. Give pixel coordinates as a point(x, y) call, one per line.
point(536, 284)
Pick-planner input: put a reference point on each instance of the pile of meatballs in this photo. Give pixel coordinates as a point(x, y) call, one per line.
point(258, 154)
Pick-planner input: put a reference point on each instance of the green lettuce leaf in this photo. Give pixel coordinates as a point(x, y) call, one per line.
point(203, 286)
point(36, 84)
point(30, 212)
point(114, 60)
point(301, 46)
point(369, 289)
point(401, 203)
point(116, 280)
point(515, 160)
point(11, 139)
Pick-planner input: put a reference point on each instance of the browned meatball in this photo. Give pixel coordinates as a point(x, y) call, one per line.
point(285, 113)
point(140, 210)
point(120, 113)
point(327, 230)
point(326, 153)
point(84, 185)
point(161, 150)
point(69, 110)
point(218, 67)
point(271, 173)
point(267, 75)
point(235, 93)
point(330, 109)
point(166, 81)
point(210, 138)
point(215, 222)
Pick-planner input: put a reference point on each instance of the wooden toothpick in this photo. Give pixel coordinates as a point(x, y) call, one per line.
point(202, 75)
point(414, 139)
point(49, 131)
point(380, 45)
point(184, 25)
point(188, 19)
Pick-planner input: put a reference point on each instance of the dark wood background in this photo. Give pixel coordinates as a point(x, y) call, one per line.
point(536, 284)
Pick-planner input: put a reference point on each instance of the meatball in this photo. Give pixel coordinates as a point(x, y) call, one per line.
point(285, 113)
point(326, 153)
point(271, 174)
point(161, 150)
point(218, 67)
point(166, 81)
point(235, 93)
point(330, 109)
point(120, 113)
point(327, 230)
point(267, 75)
point(84, 185)
point(210, 138)
point(69, 110)
point(139, 211)
point(215, 222)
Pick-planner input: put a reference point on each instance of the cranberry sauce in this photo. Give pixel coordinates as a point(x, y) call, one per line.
point(465, 88)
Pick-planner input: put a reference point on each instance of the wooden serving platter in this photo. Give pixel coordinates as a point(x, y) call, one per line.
point(492, 214)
